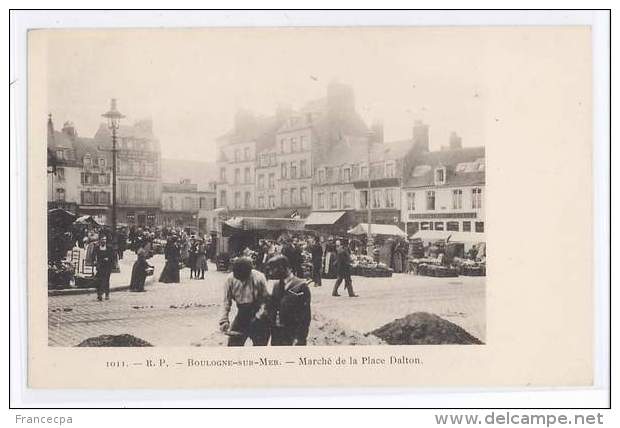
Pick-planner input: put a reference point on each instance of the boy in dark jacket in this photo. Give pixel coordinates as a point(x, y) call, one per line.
point(290, 305)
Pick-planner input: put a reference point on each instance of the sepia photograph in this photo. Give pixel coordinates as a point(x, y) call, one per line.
point(274, 187)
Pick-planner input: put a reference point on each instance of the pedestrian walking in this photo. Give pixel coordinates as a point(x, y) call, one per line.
point(290, 305)
point(200, 259)
point(139, 272)
point(103, 256)
point(193, 248)
point(343, 270)
point(316, 250)
point(247, 287)
point(170, 273)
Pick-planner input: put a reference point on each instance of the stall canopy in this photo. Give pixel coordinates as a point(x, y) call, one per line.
point(323, 218)
point(378, 229)
point(431, 235)
point(466, 237)
point(59, 217)
point(262, 224)
point(86, 219)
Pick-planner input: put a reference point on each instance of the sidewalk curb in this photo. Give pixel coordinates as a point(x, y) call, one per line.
point(76, 291)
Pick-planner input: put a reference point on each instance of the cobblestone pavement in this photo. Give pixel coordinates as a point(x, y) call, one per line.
point(180, 314)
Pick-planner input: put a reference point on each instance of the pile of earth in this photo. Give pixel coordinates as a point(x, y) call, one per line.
point(422, 328)
point(323, 332)
point(120, 340)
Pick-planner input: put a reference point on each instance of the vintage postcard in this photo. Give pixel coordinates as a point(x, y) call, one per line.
point(345, 206)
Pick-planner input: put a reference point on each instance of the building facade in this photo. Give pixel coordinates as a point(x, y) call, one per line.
point(138, 167)
point(181, 204)
point(444, 191)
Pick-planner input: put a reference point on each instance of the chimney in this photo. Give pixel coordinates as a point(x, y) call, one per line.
point(50, 130)
point(68, 128)
point(376, 130)
point(420, 136)
point(456, 142)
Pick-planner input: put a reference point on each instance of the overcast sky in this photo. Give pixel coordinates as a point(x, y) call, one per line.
point(190, 82)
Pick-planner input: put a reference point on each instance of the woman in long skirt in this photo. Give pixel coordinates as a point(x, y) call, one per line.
point(170, 273)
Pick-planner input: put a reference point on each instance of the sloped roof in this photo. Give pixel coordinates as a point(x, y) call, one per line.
point(200, 173)
point(448, 159)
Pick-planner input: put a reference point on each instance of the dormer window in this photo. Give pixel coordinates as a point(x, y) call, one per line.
point(102, 162)
point(87, 160)
point(440, 175)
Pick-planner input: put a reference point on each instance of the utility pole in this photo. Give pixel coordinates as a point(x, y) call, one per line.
point(369, 242)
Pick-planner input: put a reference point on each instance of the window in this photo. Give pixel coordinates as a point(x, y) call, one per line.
point(320, 200)
point(390, 169)
point(102, 162)
point(104, 198)
point(440, 175)
point(60, 174)
point(237, 155)
point(476, 198)
point(411, 201)
point(246, 175)
point(293, 170)
point(261, 181)
point(87, 197)
point(237, 200)
point(248, 200)
point(272, 201)
point(389, 198)
point(223, 175)
point(272, 180)
point(202, 202)
point(170, 202)
point(303, 196)
point(430, 200)
point(329, 173)
point(376, 198)
point(480, 226)
point(294, 197)
point(86, 178)
point(347, 200)
point(364, 172)
point(457, 199)
point(303, 168)
point(303, 143)
point(346, 175)
point(223, 198)
point(467, 226)
point(321, 176)
point(237, 175)
point(284, 197)
point(282, 145)
point(426, 225)
point(439, 225)
point(60, 194)
point(261, 202)
point(293, 145)
point(363, 199)
point(124, 192)
point(284, 170)
point(139, 191)
point(150, 192)
point(246, 153)
point(87, 160)
point(60, 154)
point(333, 200)
point(131, 217)
point(95, 178)
point(452, 226)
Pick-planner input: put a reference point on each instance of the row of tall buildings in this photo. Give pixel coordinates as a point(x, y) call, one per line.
point(323, 158)
point(321, 162)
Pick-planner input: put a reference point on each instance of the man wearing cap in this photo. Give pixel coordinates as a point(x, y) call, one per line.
point(290, 305)
point(247, 287)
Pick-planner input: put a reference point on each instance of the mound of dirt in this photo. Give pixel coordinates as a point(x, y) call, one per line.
point(120, 340)
point(323, 332)
point(422, 328)
point(327, 331)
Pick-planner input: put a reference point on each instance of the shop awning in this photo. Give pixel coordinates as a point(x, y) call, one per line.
point(467, 237)
point(87, 219)
point(323, 218)
point(264, 223)
point(431, 235)
point(378, 229)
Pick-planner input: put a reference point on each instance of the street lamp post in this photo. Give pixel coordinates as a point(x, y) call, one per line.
point(369, 242)
point(114, 118)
